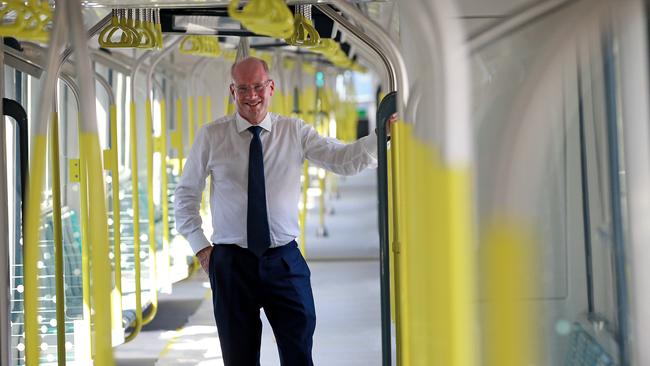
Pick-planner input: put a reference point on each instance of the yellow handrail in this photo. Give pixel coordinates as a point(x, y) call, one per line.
point(58, 239)
point(302, 215)
point(266, 17)
point(153, 275)
point(164, 183)
point(85, 251)
point(30, 246)
point(399, 240)
point(190, 120)
point(176, 136)
point(208, 109)
point(31, 19)
point(304, 34)
point(136, 225)
point(111, 164)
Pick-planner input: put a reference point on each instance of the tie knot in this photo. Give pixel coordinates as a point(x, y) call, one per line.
point(255, 130)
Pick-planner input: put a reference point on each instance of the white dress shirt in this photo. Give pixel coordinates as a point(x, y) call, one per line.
point(221, 151)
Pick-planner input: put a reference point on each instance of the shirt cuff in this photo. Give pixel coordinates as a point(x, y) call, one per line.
point(198, 241)
point(369, 144)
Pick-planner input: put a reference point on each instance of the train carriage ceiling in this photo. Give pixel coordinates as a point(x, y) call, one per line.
point(210, 16)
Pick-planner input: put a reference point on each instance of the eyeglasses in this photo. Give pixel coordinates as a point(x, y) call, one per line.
point(257, 88)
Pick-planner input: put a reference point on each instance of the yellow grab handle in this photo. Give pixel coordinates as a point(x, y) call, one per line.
point(304, 33)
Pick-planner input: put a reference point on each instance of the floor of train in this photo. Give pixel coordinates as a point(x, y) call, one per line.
point(345, 280)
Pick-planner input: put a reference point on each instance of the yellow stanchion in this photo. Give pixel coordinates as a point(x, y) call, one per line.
point(135, 202)
point(31, 248)
point(439, 284)
point(399, 242)
point(98, 234)
point(208, 109)
point(153, 268)
point(164, 183)
point(58, 239)
point(111, 164)
point(302, 216)
point(191, 127)
point(200, 112)
point(177, 136)
point(507, 261)
point(85, 254)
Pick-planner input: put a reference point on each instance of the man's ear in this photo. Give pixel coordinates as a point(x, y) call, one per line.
point(232, 91)
point(272, 86)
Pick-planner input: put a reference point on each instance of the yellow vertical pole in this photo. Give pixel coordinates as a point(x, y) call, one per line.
point(98, 233)
point(399, 240)
point(85, 250)
point(507, 258)
point(58, 239)
point(190, 120)
point(31, 249)
point(200, 112)
point(208, 109)
point(151, 215)
point(303, 209)
point(111, 164)
point(177, 135)
point(164, 183)
point(135, 202)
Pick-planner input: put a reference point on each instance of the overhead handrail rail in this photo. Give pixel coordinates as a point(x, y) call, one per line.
point(31, 19)
point(266, 17)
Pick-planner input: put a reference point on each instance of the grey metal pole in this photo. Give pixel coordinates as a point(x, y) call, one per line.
point(5, 288)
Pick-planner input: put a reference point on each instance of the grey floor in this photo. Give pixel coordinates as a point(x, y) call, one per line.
point(345, 280)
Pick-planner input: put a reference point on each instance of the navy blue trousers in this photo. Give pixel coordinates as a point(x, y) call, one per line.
point(279, 282)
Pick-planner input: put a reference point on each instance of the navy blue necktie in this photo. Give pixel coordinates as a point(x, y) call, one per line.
point(257, 223)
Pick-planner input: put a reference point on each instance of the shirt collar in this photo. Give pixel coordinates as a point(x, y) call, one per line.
point(243, 124)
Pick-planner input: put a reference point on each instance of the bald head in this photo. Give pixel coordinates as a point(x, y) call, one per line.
point(251, 88)
point(248, 65)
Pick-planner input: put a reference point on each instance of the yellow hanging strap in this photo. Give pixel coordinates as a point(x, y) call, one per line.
point(265, 17)
point(29, 20)
point(207, 46)
point(304, 33)
point(118, 33)
point(132, 28)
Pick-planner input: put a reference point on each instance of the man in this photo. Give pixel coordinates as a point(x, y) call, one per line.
point(255, 160)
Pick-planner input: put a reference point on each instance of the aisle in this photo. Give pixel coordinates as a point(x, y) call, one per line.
point(345, 280)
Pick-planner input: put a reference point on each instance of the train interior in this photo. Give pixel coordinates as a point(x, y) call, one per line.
point(503, 226)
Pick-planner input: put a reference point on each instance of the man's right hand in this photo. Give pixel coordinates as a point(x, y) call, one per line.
point(204, 258)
